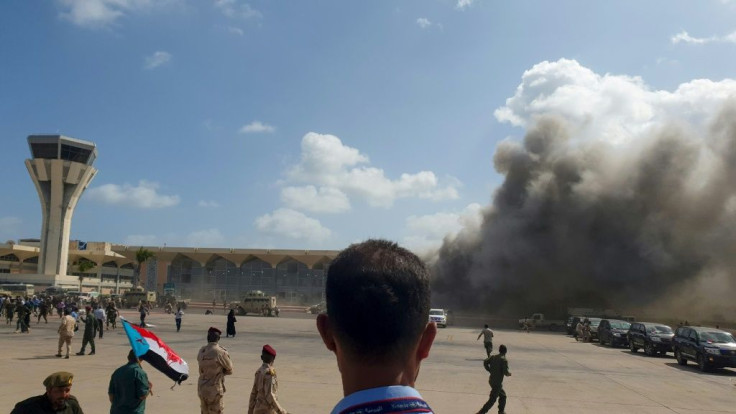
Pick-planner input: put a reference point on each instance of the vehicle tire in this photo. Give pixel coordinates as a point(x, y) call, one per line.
point(702, 363)
point(649, 349)
point(632, 347)
point(680, 359)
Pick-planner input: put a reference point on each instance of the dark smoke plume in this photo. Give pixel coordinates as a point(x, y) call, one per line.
point(599, 225)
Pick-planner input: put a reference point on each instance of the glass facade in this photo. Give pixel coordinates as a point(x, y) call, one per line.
point(222, 280)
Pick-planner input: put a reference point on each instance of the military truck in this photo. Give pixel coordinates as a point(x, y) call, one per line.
point(135, 296)
point(256, 302)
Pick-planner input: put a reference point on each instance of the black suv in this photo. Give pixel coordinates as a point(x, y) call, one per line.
point(613, 332)
point(708, 347)
point(652, 337)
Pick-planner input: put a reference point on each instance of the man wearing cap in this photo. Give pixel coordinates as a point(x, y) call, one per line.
point(90, 329)
point(129, 387)
point(56, 400)
point(214, 363)
point(378, 284)
point(263, 399)
point(66, 332)
point(498, 368)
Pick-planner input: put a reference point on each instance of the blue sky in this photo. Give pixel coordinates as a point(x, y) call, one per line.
point(314, 124)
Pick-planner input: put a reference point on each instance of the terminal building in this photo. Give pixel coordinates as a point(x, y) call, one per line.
point(200, 274)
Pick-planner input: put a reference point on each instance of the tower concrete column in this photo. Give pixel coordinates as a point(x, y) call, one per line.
point(61, 169)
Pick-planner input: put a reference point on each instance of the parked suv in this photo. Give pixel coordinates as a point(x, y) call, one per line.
point(438, 316)
point(650, 336)
point(613, 332)
point(708, 347)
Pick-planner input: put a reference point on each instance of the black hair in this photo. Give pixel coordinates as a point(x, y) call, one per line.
point(213, 336)
point(378, 300)
point(132, 356)
point(267, 358)
point(502, 349)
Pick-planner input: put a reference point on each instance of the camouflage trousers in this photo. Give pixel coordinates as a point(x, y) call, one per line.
point(211, 403)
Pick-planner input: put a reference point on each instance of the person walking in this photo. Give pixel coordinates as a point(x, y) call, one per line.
point(129, 387)
point(487, 335)
point(112, 314)
point(263, 398)
point(214, 363)
point(144, 311)
point(100, 317)
point(43, 311)
point(56, 400)
point(66, 332)
point(90, 329)
point(498, 368)
point(177, 317)
point(230, 330)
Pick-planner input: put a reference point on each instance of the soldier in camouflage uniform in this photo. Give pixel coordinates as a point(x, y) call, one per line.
point(214, 363)
point(263, 399)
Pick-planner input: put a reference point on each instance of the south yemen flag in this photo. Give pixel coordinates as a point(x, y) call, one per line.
point(150, 348)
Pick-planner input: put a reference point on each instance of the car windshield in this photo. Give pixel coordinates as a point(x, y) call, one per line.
point(717, 337)
point(659, 329)
point(437, 312)
point(594, 321)
point(620, 325)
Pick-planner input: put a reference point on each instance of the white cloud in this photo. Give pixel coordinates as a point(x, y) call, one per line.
point(256, 127)
point(141, 240)
point(157, 59)
point(423, 22)
point(309, 198)
point(235, 30)
point(326, 162)
point(9, 227)
point(684, 37)
point(95, 14)
point(425, 233)
point(144, 195)
point(205, 238)
point(208, 203)
point(463, 4)
point(237, 10)
point(615, 108)
point(289, 223)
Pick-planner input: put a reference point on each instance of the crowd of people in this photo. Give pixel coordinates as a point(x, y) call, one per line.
point(378, 367)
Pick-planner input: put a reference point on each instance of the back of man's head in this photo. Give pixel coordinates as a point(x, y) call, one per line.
point(502, 349)
point(378, 300)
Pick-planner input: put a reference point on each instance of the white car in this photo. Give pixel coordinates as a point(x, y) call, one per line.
point(438, 316)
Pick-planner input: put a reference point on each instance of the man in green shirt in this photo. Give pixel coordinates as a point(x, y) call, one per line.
point(498, 367)
point(129, 388)
point(57, 400)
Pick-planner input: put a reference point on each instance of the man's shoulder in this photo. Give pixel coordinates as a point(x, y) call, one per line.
point(30, 403)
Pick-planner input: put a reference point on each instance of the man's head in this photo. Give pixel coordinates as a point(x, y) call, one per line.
point(67, 311)
point(213, 334)
point(58, 387)
point(268, 354)
point(132, 357)
point(485, 326)
point(502, 349)
point(378, 301)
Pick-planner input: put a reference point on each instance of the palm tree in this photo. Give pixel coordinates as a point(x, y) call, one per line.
point(140, 257)
point(83, 266)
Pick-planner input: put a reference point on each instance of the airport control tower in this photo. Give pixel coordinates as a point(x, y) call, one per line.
point(61, 169)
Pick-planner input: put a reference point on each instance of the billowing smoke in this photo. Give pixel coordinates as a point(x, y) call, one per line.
point(617, 197)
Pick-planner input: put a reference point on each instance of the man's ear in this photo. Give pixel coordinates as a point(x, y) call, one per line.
point(323, 326)
point(425, 342)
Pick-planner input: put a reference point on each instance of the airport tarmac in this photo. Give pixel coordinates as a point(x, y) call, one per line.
point(551, 373)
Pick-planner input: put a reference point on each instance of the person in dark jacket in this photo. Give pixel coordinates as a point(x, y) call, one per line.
point(230, 324)
point(56, 400)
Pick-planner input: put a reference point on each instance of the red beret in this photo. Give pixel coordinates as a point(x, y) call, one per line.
point(267, 349)
point(215, 330)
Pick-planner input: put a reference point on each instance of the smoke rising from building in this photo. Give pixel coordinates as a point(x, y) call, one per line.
point(617, 197)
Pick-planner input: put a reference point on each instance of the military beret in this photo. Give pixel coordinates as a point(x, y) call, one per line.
point(267, 349)
point(59, 379)
point(215, 330)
